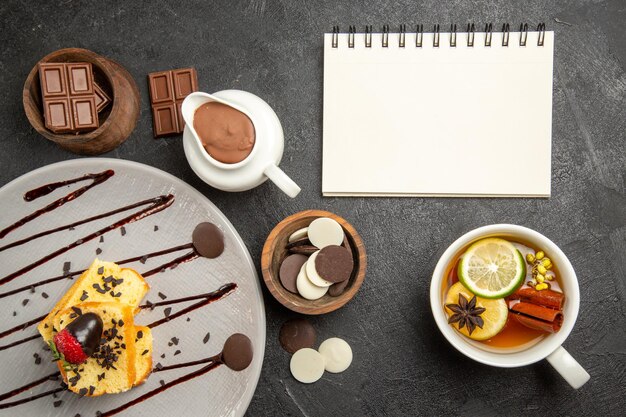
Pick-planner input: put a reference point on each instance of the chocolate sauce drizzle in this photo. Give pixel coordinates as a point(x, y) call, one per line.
point(207, 298)
point(156, 205)
point(47, 189)
point(164, 387)
point(122, 262)
point(75, 224)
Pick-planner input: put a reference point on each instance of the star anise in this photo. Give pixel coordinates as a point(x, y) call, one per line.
point(466, 314)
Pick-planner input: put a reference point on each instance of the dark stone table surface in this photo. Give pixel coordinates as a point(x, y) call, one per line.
point(403, 365)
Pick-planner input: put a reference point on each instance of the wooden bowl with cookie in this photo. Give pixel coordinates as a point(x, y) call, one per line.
point(313, 262)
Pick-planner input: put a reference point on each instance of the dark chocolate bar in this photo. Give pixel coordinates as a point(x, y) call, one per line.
point(69, 100)
point(168, 89)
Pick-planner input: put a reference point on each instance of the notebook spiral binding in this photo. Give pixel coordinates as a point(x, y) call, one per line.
point(419, 35)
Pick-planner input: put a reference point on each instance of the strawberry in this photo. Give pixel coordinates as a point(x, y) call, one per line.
point(76, 342)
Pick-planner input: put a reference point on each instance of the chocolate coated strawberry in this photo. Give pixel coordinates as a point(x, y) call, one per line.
point(80, 338)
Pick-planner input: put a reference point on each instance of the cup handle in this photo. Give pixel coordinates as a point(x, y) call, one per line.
point(567, 366)
point(281, 179)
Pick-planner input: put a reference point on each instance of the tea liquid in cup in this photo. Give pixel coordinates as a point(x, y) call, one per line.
point(504, 314)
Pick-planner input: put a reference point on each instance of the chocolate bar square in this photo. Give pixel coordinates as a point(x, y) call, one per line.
point(69, 102)
point(165, 119)
point(57, 114)
point(168, 89)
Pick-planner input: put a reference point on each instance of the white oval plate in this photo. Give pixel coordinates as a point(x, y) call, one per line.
point(221, 392)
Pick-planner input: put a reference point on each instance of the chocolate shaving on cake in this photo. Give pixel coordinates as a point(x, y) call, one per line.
point(84, 296)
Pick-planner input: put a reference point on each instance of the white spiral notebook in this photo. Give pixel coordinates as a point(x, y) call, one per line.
point(438, 114)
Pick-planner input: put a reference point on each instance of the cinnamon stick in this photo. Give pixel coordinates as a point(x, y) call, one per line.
point(546, 298)
point(538, 317)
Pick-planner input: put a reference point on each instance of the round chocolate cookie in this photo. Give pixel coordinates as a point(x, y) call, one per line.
point(208, 240)
point(334, 263)
point(296, 334)
point(289, 269)
point(237, 353)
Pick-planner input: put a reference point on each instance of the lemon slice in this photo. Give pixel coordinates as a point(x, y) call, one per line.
point(494, 317)
point(492, 268)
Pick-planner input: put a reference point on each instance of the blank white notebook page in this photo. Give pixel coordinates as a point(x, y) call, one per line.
point(437, 121)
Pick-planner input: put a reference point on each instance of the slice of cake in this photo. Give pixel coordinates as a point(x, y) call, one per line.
point(143, 354)
point(112, 367)
point(102, 282)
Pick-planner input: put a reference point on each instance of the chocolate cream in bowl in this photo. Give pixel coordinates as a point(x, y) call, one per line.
point(226, 133)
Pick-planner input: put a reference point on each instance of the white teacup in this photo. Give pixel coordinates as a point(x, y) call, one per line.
point(259, 165)
point(549, 347)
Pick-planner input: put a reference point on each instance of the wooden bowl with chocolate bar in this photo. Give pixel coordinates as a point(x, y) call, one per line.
point(313, 262)
point(83, 102)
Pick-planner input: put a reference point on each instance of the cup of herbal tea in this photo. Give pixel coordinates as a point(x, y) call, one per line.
point(507, 296)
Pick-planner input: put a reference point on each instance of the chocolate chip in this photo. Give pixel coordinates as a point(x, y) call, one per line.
point(162, 296)
point(91, 389)
point(14, 313)
point(72, 228)
point(304, 250)
point(101, 376)
point(66, 267)
point(58, 403)
point(188, 318)
point(120, 323)
point(208, 240)
point(143, 259)
point(123, 230)
point(77, 415)
point(156, 228)
point(32, 289)
point(206, 338)
point(101, 239)
point(289, 270)
point(77, 310)
point(162, 382)
point(44, 295)
point(144, 352)
point(25, 301)
point(163, 356)
point(237, 353)
point(158, 366)
point(84, 296)
point(299, 242)
point(177, 352)
point(337, 289)
point(98, 251)
point(139, 334)
point(101, 270)
point(167, 311)
point(175, 340)
point(296, 334)
point(37, 360)
point(334, 263)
